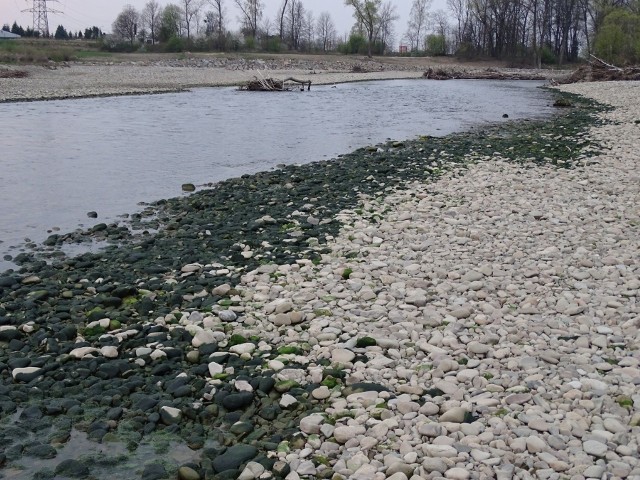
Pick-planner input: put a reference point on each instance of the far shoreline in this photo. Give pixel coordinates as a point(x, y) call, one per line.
point(70, 80)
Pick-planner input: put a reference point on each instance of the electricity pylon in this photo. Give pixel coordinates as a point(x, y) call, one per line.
point(40, 16)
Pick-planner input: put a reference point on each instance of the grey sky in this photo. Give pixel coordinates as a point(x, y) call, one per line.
point(80, 14)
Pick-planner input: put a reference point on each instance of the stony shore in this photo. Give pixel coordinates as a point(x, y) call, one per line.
point(74, 80)
point(462, 307)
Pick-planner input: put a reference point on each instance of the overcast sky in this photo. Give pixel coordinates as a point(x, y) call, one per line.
point(80, 14)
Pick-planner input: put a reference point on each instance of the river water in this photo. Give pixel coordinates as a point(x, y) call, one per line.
point(61, 159)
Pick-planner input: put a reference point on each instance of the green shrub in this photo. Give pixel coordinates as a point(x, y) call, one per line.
point(273, 45)
point(436, 45)
point(356, 44)
point(547, 56)
point(249, 43)
point(174, 45)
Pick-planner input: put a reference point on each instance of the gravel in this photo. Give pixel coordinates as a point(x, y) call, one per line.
point(480, 321)
point(503, 300)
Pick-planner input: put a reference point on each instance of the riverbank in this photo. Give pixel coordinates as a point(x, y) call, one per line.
point(77, 80)
point(457, 306)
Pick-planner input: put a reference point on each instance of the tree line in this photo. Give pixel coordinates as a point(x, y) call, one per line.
point(205, 23)
point(61, 33)
point(529, 32)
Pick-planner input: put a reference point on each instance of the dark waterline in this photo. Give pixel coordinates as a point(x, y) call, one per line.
point(61, 159)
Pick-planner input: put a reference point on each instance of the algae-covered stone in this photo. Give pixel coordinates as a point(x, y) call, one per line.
point(365, 342)
point(188, 473)
point(234, 457)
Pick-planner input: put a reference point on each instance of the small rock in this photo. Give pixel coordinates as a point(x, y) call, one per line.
point(454, 415)
point(457, 473)
point(595, 448)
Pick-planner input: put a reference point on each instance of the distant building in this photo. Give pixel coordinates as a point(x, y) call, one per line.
point(404, 49)
point(7, 35)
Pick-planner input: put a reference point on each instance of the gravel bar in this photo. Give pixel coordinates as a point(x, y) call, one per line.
point(456, 307)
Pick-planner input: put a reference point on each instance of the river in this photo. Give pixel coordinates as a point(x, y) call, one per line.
point(62, 159)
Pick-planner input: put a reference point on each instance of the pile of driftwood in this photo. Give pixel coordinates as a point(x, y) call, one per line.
point(13, 74)
point(486, 74)
point(600, 71)
point(274, 85)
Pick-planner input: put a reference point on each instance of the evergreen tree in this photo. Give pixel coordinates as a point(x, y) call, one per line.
point(61, 33)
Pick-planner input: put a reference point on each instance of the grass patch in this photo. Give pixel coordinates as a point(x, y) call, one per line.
point(30, 51)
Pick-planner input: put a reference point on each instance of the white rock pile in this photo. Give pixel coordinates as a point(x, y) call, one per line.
point(504, 308)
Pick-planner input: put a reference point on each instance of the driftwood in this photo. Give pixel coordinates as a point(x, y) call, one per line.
point(273, 85)
point(486, 74)
point(600, 71)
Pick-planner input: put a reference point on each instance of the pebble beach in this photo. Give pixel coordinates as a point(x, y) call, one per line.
point(461, 308)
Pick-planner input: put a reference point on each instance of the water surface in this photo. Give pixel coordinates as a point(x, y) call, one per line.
point(61, 159)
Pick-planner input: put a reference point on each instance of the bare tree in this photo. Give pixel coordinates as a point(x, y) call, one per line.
point(366, 13)
point(283, 11)
point(216, 19)
point(151, 19)
point(251, 14)
point(418, 21)
point(294, 22)
point(326, 31)
point(190, 11)
point(267, 25)
point(440, 26)
point(309, 29)
point(126, 23)
point(386, 19)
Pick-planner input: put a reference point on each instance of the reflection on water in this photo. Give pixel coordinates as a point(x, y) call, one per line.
point(61, 159)
point(106, 460)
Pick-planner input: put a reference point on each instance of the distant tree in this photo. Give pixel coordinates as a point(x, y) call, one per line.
point(126, 24)
point(6, 28)
point(386, 21)
point(190, 10)
point(216, 21)
point(281, 14)
point(418, 20)
point(252, 11)
point(309, 28)
point(326, 31)
point(618, 41)
point(435, 45)
point(16, 29)
point(150, 18)
point(440, 26)
point(170, 22)
point(294, 22)
point(61, 33)
point(96, 32)
point(366, 13)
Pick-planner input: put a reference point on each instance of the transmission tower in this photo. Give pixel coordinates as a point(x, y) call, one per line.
point(40, 16)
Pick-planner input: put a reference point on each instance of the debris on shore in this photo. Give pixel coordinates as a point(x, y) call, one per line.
point(486, 74)
point(13, 73)
point(274, 85)
point(598, 70)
